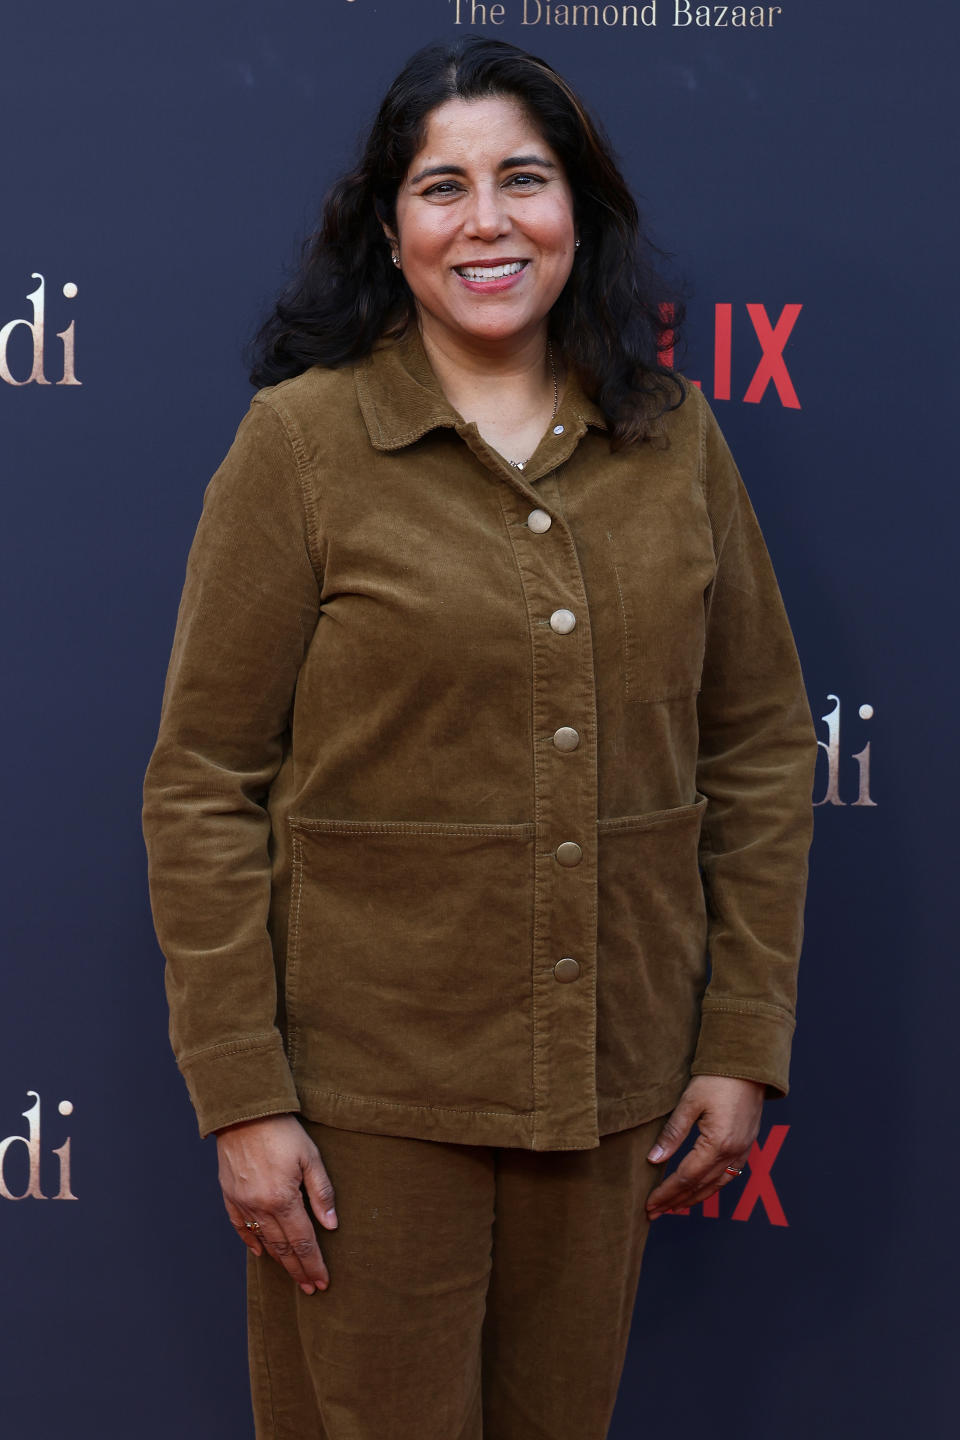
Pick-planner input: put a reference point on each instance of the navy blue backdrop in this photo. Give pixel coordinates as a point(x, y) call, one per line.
point(159, 164)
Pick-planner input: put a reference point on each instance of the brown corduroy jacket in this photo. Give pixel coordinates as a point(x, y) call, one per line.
point(469, 780)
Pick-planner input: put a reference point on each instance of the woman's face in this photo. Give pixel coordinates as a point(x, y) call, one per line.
point(485, 224)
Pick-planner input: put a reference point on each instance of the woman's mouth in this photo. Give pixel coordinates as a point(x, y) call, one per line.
point(490, 272)
point(491, 279)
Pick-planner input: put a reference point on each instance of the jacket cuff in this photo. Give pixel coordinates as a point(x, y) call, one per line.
point(240, 1080)
point(746, 1041)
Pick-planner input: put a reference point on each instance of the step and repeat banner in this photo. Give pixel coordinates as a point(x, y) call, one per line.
point(161, 164)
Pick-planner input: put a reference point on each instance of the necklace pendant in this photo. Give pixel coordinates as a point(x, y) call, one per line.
point(519, 464)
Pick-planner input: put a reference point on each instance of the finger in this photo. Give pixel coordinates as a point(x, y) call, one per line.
point(320, 1193)
point(291, 1240)
point(683, 1188)
point(239, 1223)
point(698, 1175)
point(694, 1195)
point(710, 1187)
point(675, 1130)
point(701, 1166)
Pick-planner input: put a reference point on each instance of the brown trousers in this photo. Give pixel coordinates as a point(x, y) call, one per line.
point(474, 1292)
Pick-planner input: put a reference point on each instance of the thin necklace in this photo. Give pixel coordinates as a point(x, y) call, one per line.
point(519, 464)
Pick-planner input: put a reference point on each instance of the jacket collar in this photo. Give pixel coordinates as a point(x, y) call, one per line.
point(401, 400)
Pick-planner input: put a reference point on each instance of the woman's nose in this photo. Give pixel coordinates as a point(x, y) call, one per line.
point(488, 216)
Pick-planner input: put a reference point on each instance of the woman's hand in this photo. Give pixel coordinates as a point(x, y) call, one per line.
point(263, 1164)
point(727, 1112)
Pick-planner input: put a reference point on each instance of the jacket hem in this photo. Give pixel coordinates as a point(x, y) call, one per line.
point(417, 1122)
point(526, 1130)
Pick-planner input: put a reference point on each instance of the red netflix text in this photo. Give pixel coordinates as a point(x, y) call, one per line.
point(770, 373)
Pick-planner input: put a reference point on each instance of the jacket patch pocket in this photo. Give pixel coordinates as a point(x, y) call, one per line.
point(651, 959)
point(409, 962)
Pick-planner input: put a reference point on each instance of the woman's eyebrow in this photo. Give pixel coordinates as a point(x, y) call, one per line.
point(510, 163)
point(437, 170)
point(516, 160)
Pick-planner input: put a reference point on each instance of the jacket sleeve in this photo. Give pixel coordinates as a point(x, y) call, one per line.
point(249, 609)
point(756, 762)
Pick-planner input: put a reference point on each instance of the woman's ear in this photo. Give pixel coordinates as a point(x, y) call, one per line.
point(393, 242)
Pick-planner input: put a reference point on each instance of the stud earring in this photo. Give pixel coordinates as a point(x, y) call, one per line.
point(576, 244)
point(395, 256)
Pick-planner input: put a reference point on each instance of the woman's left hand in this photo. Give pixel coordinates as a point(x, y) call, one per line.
point(727, 1112)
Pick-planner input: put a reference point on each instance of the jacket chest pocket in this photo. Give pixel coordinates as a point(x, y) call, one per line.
point(657, 572)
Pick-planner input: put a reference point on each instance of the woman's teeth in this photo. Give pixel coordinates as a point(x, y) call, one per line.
point(489, 272)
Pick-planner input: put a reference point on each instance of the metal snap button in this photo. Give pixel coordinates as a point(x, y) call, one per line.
point(569, 853)
point(562, 621)
point(566, 970)
point(539, 521)
point(566, 738)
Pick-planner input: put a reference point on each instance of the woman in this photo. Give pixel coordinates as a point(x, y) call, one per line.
point(483, 727)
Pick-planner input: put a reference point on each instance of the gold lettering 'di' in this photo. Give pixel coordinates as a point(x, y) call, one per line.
point(35, 328)
point(31, 1144)
point(831, 749)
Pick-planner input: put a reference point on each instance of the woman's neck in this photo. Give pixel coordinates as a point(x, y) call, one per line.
point(509, 391)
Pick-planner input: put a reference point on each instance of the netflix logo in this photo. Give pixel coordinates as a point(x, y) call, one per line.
point(771, 378)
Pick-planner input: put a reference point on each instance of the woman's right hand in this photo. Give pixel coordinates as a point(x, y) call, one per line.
point(263, 1164)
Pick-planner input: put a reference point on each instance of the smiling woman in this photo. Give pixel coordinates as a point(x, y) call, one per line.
point(606, 319)
point(483, 179)
point(483, 729)
point(485, 238)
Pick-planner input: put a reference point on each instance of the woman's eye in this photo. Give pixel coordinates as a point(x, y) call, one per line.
point(525, 182)
point(442, 187)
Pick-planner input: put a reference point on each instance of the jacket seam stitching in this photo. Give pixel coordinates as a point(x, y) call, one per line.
point(754, 1009)
point(706, 842)
point(294, 439)
point(535, 926)
point(520, 831)
point(266, 1041)
point(292, 967)
point(589, 697)
point(704, 1067)
point(410, 1105)
point(677, 813)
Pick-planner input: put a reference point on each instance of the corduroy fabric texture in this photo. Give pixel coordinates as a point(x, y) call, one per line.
point(474, 1292)
point(394, 696)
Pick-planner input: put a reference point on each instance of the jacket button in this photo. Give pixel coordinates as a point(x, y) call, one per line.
point(566, 738)
point(562, 621)
point(538, 521)
point(569, 853)
point(566, 970)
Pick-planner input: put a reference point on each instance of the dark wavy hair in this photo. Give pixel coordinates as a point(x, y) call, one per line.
point(611, 322)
